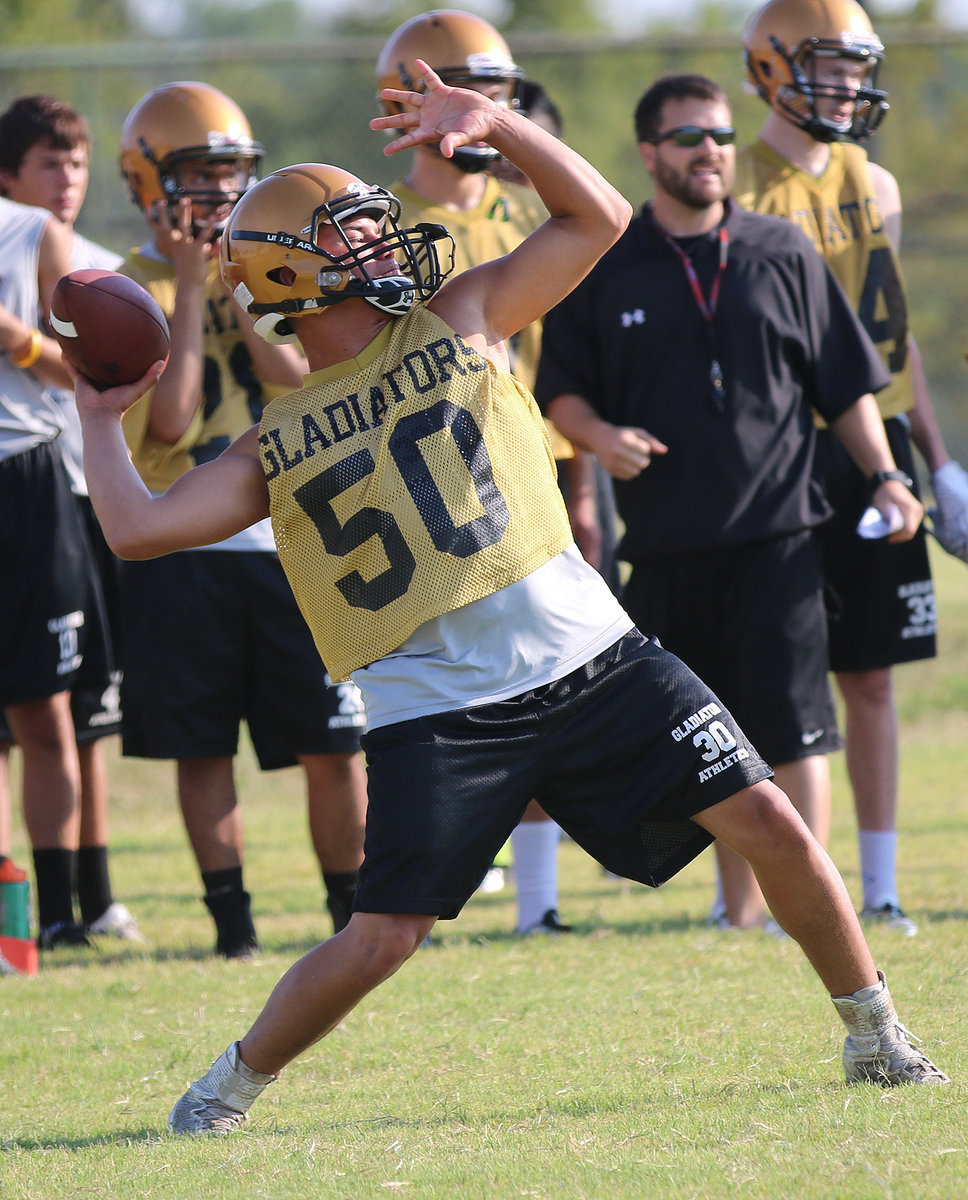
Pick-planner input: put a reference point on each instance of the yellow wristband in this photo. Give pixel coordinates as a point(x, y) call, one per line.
point(32, 353)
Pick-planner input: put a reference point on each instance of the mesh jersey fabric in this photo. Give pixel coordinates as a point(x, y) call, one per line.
point(505, 215)
point(396, 490)
point(838, 211)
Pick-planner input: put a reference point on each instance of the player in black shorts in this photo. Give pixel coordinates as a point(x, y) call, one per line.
point(816, 64)
point(212, 637)
point(426, 541)
point(44, 142)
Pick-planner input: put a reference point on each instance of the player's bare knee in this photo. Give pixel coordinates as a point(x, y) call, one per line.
point(873, 689)
point(758, 820)
point(384, 942)
point(778, 820)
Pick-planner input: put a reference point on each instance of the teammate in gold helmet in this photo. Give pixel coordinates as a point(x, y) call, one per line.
point(175, 132)
point(787, 43)
point(814, 62)
point(224, 615)
point(487, 219)
point(465, 51)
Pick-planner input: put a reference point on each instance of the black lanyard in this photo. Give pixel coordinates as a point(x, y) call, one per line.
point(706, 307)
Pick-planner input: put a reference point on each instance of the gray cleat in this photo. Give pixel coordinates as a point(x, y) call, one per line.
point(878, 1048)
point(889, 1059)
point(219, 1101)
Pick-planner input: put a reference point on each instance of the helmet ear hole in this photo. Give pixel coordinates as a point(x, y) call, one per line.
point(284, 276)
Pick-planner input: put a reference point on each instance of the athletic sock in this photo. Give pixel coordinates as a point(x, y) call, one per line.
point(535, 845)
point(340, 893)
point(56, 871)
point(93, 883)
point(718, 910)
point(217, 883)
point(878, 866)
point(229, 903)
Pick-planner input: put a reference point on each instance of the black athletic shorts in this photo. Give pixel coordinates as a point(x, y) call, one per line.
point(880, 600)
point(750, 621)
point(50, 607)
point(621, 753)
point(96, 694)
point(214, 637)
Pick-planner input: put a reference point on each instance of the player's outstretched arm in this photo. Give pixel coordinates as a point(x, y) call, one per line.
point(587, 215)
point(206, 505)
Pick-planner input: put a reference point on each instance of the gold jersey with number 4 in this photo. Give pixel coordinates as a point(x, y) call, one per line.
point(838, 211)
point(404, 484)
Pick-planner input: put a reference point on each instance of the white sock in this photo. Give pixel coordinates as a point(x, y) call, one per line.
point(718, 909)
point(535, 846)
point(878, 866)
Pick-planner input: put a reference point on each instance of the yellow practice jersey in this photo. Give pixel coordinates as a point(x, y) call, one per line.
point(404, 484)
point(502, 220)
point(838, 211)
point(232, 398)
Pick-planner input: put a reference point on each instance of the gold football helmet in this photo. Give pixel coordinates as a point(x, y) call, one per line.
point(175, 126)
point(271, 259)
point(783, 43)
point(463, 49)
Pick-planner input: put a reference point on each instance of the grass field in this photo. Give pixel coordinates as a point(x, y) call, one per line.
point(642, 1056)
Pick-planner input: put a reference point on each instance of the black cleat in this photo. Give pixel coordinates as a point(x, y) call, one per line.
point(550, 923)
point(64, 933)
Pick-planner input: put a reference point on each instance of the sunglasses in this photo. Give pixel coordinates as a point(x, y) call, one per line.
point(692, 135)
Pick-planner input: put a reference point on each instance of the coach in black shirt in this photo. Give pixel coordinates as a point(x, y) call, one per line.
point(692, 361)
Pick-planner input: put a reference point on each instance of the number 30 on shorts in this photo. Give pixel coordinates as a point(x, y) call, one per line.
point(317, 495)
point(714, 740)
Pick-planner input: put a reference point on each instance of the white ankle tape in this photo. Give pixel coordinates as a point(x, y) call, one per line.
point(235, 1084)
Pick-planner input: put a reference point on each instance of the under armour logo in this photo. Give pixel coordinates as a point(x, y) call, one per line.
point(636, 317)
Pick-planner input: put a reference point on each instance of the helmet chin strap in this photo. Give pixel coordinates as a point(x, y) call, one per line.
point(472, 161)
point(395, 296)
point(819, 129)
point(823, 131)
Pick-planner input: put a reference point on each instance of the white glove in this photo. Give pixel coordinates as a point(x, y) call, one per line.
point(950, 486)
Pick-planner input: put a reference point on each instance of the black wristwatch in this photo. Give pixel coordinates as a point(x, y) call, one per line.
point(880, 477)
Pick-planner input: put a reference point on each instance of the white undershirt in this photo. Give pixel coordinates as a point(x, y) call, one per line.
point(524, 636)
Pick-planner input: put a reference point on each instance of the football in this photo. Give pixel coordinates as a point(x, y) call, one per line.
point(107, 326)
